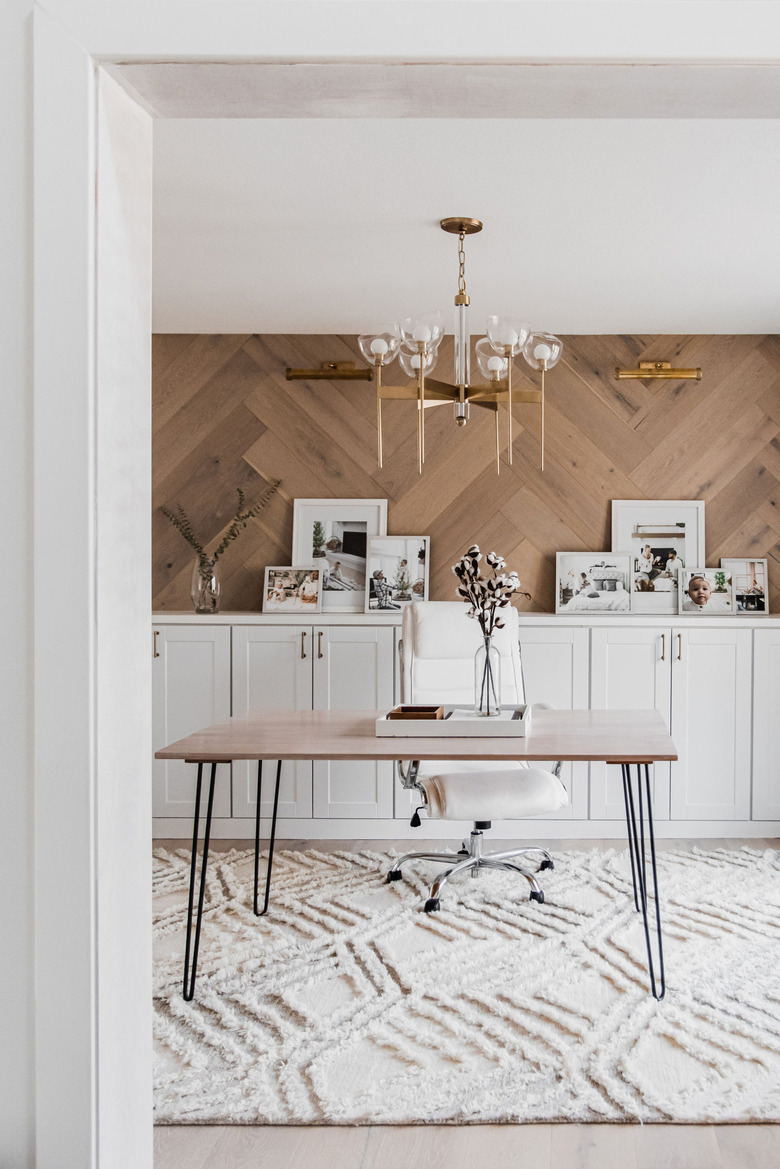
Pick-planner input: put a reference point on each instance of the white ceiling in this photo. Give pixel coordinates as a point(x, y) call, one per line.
point(604, 212)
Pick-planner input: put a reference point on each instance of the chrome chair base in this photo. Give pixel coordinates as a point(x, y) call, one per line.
point(470, 860)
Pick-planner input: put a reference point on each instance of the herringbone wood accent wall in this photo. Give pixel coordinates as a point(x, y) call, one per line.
point(224, 417)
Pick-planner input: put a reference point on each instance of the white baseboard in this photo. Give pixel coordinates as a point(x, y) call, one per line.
point(290, 829)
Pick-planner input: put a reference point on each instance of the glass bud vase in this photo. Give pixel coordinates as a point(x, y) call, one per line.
point(205, 587)
point(487, 679)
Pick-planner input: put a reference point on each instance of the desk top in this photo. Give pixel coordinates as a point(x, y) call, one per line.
point(612, 736)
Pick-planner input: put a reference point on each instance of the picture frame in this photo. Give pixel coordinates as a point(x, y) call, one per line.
point(397, 572)
point(336, 532)
point(292, 590)
point(661, 536)
point(713, 597)
point(593, 582)
point(750, 580)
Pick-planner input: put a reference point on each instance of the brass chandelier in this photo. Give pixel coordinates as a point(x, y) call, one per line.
point(415, 342)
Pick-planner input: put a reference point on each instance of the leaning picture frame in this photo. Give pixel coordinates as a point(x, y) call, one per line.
point(661, 536)
point(333, 535)
point(592, 582)
point(397, 573)
point(750, 577)
point(292, 590)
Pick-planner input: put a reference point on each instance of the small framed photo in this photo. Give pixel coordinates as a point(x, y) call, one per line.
point(750, 581)
point(292, 590)
point(333, 535)
point(706, 590)
point(397, 572)
point(661, 536)
point(593, 582)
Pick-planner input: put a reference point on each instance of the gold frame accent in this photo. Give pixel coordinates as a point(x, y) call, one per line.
point(331, 371)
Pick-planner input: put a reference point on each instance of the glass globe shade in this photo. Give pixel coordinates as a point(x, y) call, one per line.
point(542, 350)
point(410, 362)
point(428, 328)
point(486, 359)
point(384, 343)
point(506, 332)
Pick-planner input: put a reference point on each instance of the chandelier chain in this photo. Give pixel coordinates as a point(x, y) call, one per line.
point(461, 262)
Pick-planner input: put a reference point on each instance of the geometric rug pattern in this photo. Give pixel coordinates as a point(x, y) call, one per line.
point(347, 1004)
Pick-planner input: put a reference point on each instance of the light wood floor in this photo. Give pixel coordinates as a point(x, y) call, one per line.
point(542, 1146)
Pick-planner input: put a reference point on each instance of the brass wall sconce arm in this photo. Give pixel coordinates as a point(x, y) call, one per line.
point(649, 370)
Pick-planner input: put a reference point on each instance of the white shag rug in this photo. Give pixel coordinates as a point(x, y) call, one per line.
point(349, 1005)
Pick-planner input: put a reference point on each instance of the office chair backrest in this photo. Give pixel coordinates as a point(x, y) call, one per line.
point(439, 644)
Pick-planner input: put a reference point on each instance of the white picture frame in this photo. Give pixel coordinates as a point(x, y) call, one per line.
point(592, 582)
point(292, 589)
point(750, 582)
point(718, 595)
point(342, 545)
point(662, 526)
point(403, 562)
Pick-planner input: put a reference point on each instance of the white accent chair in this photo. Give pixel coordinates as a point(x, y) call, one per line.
point(437, 666)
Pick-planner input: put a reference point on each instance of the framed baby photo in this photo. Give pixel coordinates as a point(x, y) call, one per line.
point(661, 536)
point(292, 590)
point(750, 580)
point(706, 590)
point(592, 582)
point(397, 572)
point(333, 535)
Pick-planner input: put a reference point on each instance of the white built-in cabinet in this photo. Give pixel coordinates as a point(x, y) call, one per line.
point(190, 690)
point(715, 683)
point(700, 679)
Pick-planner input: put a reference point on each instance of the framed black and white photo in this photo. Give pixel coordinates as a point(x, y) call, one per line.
point(661, 536)
point(750, 580)
point(592, 582)
point(292, 590)
point(706, 590)
point(397, 572)
point(333, 535)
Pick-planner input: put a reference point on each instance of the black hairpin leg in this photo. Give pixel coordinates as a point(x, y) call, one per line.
point(260, 912)
point(190, 972)
point(635, 826)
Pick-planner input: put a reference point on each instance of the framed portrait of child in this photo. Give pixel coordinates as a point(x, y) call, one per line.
point(706, 590)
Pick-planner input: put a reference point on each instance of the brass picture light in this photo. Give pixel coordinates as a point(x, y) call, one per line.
point(658, 369)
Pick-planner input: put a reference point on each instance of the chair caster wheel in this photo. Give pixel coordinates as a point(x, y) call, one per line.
point(545, 865)
point(432, 905)
point(394, 875)
point(537, 896)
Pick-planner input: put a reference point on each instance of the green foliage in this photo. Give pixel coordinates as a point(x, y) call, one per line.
point(181, 522)
point(318, 534)
point(720, 581)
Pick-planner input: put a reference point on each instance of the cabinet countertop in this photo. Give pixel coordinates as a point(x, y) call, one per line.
point(527, 620)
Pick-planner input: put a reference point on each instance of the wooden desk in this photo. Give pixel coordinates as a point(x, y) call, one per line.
point(627, 738)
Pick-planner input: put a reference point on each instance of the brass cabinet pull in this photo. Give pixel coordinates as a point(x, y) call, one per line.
point(156, 653)
point(679, 647)
point(303, 644)
point(320, 654)
point(663, 647)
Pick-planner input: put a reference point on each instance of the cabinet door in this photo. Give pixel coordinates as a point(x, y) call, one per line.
point(766, 724)
point(353, 670)
point(711, 708)
point(190, 691)
point(272, 671)
point(631, 669)
point(555, 670)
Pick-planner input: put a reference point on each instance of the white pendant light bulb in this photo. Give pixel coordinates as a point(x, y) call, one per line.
point(379, 346)
point(542, 352)
point(495, 364)
point(422, 333)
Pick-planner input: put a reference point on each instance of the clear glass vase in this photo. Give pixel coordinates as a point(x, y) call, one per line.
point(205, 587)
point(487, 679)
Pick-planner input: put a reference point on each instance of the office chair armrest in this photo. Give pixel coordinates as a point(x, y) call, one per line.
point(407, 772)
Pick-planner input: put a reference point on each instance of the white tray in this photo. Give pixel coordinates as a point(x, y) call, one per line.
point(459, 722)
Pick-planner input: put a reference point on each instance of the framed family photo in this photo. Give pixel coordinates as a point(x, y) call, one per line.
point(292, 590)
point(397, 572)
point(333, 535)
point(751, 584)
point(661, 536)
point(706, 590)
point(592, 582)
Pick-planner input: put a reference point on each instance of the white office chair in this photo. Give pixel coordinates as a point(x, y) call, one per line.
point(437, 666)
